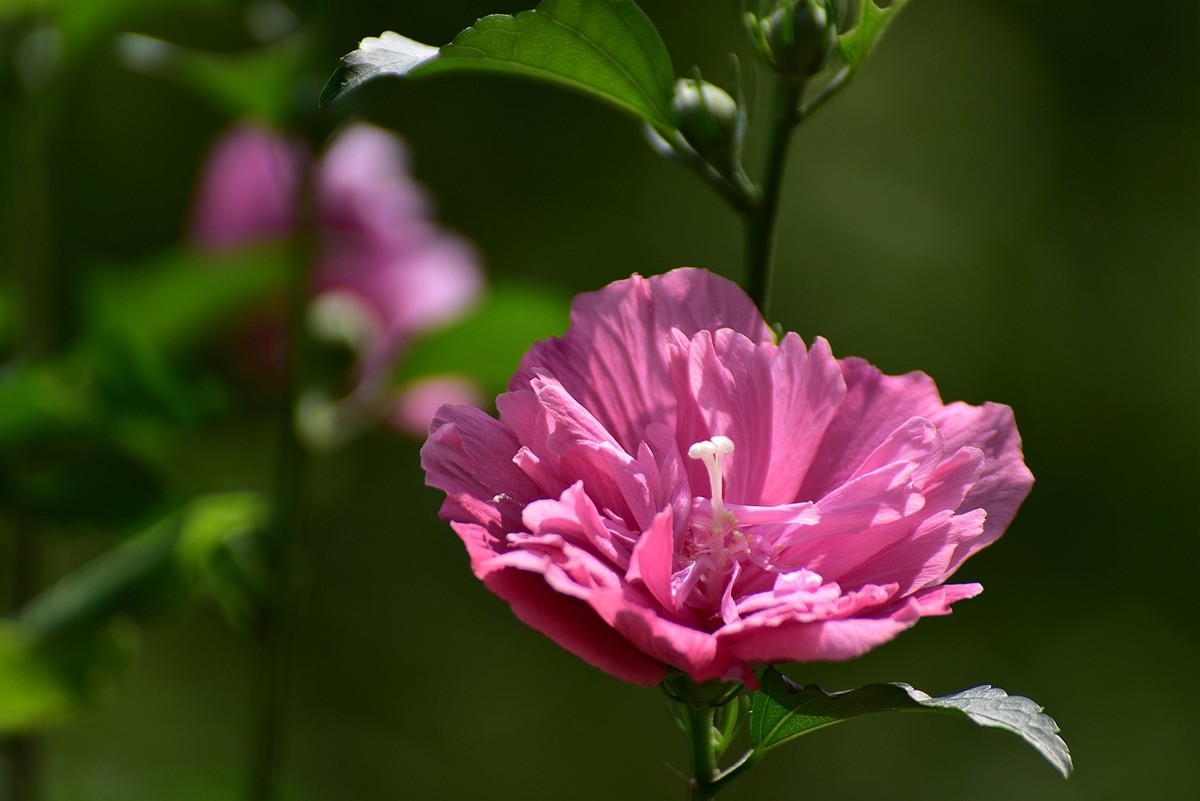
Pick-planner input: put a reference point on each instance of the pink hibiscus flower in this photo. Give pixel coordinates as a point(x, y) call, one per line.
point(670, 488)
point(384, 271)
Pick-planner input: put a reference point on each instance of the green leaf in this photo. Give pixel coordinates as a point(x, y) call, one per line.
point(175, 301)
point(783, 711)
point(386, 54)
point(147, 574)
point(62, 457)
point(487, 345)
point(134, 579)
point(40, 401)
point(874, 18)
point(44, 685)
point(217, 552)
point(69, 644)
point(31, 696)
point(608, 48)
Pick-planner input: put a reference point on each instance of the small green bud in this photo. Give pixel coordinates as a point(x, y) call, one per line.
point(709, 119)
point(799, 36)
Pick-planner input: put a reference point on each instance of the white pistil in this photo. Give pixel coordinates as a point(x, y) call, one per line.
point(712, 452)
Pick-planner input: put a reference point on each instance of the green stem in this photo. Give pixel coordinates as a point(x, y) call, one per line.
point(748, 761)
point(831, 88)
point(760, 218)
point(704, 760)
point(276, 621)
point(25, 229)
point(22, 752)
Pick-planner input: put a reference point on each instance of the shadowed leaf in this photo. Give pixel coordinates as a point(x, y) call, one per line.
point(783, 711)
point(607, 48)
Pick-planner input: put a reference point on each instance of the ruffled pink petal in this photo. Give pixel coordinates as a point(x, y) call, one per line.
point(469, 456)
point(881, 496)
point(938, 600)
point(842, 558)
point(574, 517)
point(575, 626)
point(875, 405)
point(613, 357)
point(522, 413)
point(1004, 480)
point(684, 647)
point(916, 440)
point(574, 575)
point(923, 559)
point(840, 639)
point(730, 378)
point(807, 390)
point(825, 641)
point(653, 560)
point(946, 487)
point(579, 447)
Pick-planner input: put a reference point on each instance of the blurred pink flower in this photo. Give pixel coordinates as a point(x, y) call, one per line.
point(384, 271)
point(670, 488)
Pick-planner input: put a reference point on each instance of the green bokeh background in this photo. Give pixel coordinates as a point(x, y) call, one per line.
point(1008, 198)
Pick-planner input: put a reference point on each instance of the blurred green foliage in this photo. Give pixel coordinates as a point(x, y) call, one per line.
point(1007, 198)
point(64, 646)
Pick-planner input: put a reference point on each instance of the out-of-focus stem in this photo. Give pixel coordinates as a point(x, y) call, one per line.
point(25, 229)
point(276, 620)
point(22, 752)
point(24, 759)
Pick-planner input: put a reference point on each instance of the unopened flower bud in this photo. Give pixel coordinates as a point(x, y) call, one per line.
point(709, 120)
point(799, 37)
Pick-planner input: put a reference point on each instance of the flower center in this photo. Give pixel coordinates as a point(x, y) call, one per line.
point(713, 452)
point(719, 539)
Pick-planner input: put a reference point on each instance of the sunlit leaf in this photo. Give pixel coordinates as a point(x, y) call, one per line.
point(783, 711)
point(216, 550)
point(874, 18)
point(608, 48)
point(386, 54)
point(31, 696)
point(487, 345)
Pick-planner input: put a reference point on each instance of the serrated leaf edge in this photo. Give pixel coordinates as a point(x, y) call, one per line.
point(1050, 745)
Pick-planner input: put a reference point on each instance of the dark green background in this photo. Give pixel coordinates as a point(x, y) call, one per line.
point(1008, 198)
